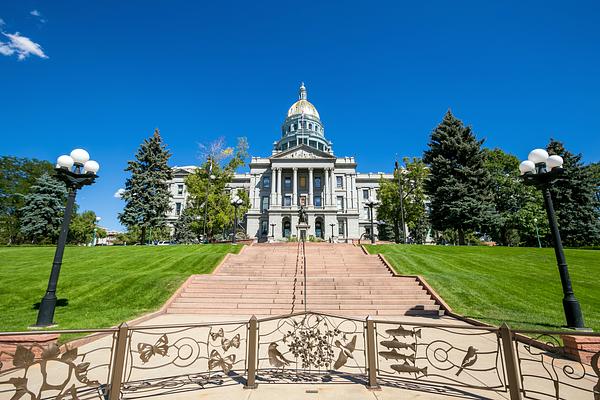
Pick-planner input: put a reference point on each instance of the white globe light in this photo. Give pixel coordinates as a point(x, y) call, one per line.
point(80, 156)
point(554, 162)
point(64, 161)
point(91, 167)
point(526, 166)
point(538, 156)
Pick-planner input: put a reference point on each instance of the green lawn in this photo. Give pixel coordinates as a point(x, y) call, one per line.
point(102, 285)
point(494, 284)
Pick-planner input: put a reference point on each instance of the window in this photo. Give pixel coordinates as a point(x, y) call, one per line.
point(366, 212)
point(287, 201)
point(312, 143)
point(341, 230)
point(178, 208)
point(366, 194)
point(287, 182)
point(179, 189)
point(266, 182)
point(317, 182)
point(303, 182)
point(320, 146)
point(317, 201)
point(264, 227)
point(339, 181)
point(340, 203)
point(310, 126)
point(264, 206)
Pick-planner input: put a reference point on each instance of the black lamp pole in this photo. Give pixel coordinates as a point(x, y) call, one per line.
point(542, 179)
point(371, 203)
point(74, 180)
point(273, 231)
point(235, 221)
point(332, 225)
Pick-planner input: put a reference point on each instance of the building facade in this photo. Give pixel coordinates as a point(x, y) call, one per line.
point(302, 171)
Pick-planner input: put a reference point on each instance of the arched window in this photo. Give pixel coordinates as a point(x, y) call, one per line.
point(310, 126)
point(319, 229)
point(287, 228)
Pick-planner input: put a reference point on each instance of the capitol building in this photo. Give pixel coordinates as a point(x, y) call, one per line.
point(301, 171)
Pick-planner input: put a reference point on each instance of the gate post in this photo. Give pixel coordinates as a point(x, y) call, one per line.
point(371, 355)
point(118, 363)
point(510, 361)
point(252, 356)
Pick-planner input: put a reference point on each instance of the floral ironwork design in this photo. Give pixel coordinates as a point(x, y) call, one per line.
point(53, 372)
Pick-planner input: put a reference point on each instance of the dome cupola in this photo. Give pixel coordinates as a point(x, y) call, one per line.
point(303, 126)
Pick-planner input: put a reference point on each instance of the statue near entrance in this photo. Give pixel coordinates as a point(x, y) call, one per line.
point(302, 216)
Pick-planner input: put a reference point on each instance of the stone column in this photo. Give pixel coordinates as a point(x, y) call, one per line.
point(273, 183)
point(310, 188)
point(353, 191)
point(325, 185)
point(348, 201)
point(332, 183)
point(279, 193)
point(295, 187)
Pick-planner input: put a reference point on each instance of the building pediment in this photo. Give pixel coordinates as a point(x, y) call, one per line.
point(302, 152)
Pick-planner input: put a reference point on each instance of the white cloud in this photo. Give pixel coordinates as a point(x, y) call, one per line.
point(35, 13)
point(22, 46)
point(2, 23)
point(119, 193)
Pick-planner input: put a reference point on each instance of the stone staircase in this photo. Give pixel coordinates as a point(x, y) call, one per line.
point(267, 279)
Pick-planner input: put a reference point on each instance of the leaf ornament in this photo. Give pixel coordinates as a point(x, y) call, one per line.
point(217, 361)
point(23, 357)
point(227, 343)
point(215, 335)
point(161, 347)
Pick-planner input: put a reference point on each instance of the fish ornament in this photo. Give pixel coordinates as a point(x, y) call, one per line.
point(216, 360)
point(396, 344)
point(400, 331)
point(346, 351)
point(409, 369)
point(227, 343)
point(394, 355)
point(147, 351)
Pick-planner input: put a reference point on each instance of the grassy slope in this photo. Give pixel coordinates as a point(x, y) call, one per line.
point(103, 285)
point(518, 285)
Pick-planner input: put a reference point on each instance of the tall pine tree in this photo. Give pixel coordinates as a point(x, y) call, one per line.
point(147, 191)
point(458, 183)
point(42, 213)
point(183, 231)
point(575, 200)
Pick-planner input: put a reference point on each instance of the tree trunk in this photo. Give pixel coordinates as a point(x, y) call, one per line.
point(397, 231)
point(143, 235)
point(461, 237)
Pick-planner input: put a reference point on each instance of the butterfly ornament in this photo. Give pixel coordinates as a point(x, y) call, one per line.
point(225, 363)
point(147, 351)
point(234, 342)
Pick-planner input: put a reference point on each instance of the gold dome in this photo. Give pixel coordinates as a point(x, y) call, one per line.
point(303, 107)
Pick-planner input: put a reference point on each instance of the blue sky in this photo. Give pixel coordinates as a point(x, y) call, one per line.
point(103, 74)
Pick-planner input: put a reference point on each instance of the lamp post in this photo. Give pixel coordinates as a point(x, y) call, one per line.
point(541, 170)
point(537, 233)
point(399, 171)
point(235, 202)
point(273, 231)
point(211, 178)
point(371, 202)
point(331, 225)
point(76, 171)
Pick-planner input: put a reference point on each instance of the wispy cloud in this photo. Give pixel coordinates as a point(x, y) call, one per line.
point(35, 13)
point(22, 46)
point(2, 23)
point(119, 193)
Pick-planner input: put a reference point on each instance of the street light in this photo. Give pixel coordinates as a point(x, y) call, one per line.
point(273, 231)
point(541, 170)
point(76, 171)
point(235, 202)
point(371, 202)
point(211, 178)
point(331, 225)
point(537, 233)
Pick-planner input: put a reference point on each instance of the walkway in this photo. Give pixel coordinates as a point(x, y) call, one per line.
point(266, 279)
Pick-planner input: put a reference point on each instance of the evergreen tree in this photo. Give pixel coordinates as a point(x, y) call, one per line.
point(575, 200)
point(146, 191)
point(42, 214)
point(458, 183)
point(183, 228)
point(17, 175)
